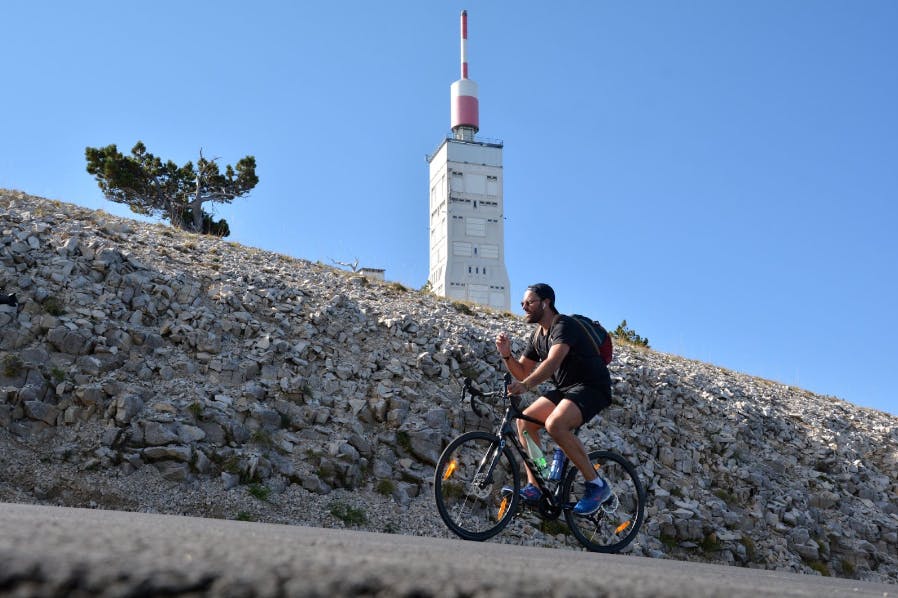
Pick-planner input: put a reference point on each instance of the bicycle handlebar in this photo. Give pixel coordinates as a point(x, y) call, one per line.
point(475, 393)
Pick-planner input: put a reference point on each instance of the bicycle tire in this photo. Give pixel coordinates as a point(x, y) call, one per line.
point(476, 486)
point(616, 523)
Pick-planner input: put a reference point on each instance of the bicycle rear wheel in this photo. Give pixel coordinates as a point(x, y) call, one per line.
point(476, 486)
point(619, 518)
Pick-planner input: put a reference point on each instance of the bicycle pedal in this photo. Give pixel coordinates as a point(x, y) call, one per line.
point(611, 504)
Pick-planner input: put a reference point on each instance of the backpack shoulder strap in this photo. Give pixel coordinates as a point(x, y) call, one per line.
point(588, 332)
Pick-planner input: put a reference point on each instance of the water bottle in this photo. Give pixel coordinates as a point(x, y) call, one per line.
point(536, 454)
point(558, 460)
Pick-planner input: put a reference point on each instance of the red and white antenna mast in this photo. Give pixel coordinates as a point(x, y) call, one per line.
point(464, 44)
point(465, 108)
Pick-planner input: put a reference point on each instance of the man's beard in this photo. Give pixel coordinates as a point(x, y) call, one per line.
point(534, 317)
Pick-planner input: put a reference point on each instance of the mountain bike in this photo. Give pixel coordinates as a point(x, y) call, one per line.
point(478, 477)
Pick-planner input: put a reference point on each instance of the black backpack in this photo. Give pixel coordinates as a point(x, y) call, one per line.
point(598, 335)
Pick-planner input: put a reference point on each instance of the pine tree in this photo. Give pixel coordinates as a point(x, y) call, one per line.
point(627, 334)
point(177, 194)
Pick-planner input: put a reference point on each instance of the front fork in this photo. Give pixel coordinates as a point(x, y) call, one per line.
point(484, 476)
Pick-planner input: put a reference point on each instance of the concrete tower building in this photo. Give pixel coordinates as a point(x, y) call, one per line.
point(467, 239)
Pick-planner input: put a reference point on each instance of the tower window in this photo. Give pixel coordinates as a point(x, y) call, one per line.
point(475, 227)
point(457, 183)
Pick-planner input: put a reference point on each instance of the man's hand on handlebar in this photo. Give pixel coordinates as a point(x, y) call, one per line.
point(516, 388)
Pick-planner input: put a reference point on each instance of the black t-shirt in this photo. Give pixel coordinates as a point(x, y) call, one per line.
point(582, 364)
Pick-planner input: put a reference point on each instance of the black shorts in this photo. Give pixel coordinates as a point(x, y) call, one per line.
point(590, 399)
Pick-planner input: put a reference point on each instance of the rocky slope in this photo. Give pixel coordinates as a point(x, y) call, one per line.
point(150, 369)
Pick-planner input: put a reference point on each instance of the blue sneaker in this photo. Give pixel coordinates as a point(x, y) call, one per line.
point(593, 499)
point(531, 493)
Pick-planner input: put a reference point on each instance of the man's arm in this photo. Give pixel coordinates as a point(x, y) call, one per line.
point(533, 377)
point(519, 368)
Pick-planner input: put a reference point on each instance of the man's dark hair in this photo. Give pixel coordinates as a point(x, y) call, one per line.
point(544, 291)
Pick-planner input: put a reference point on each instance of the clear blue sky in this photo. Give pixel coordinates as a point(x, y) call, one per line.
point(722, 175)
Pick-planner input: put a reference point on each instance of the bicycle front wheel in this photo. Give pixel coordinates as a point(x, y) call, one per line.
point(616, 523)
point(476, 486)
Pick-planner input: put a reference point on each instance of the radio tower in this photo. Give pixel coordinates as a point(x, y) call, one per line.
point(465, 108)
point(467, 246)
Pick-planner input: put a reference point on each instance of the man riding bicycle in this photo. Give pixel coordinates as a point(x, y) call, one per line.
point(560, 350)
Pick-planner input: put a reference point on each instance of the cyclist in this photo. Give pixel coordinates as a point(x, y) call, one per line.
point(559, 349)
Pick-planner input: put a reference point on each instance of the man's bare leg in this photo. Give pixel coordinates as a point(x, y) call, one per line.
point(540, 409)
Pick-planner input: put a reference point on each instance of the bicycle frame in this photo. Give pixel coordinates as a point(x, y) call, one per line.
point(507, 432)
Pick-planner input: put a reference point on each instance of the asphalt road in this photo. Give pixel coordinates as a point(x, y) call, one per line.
point(55, 551)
